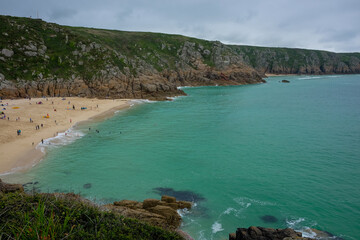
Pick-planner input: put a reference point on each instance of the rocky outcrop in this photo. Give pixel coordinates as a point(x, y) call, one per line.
point(7, 187)
point(162, 213)
point(260, 233)
point(44, 59)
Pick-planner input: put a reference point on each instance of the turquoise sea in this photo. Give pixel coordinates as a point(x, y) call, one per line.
point(274, 155)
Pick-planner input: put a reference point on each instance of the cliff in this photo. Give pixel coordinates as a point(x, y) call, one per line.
point(45, 59)
point(298, 61)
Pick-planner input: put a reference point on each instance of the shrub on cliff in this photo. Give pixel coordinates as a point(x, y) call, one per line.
point(49, 216)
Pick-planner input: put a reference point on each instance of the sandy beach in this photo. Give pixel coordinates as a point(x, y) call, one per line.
point(279, 75)
point(41, 121)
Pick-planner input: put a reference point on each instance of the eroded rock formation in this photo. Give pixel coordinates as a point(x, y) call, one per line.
point(162, 213)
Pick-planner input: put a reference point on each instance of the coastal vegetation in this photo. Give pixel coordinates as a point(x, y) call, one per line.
point(67, 216)
point(38, 58)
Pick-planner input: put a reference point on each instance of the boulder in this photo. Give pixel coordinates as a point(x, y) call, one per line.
point(260, 233)
point(168, 199)
point(149, 203)
point(285, 81)
point(170, 214)
point(7, 52)
point(162, 213)
point(7, 188)
point(129, 204)
point(139, 214)
point(184, 204)
point(30, 53)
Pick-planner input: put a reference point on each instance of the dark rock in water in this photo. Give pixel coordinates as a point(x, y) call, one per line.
point(180, 195)
point(87, 185)
point(269, 219)
point(285, 81)
point(260, 233)
point(200, 211)
point(322, 234)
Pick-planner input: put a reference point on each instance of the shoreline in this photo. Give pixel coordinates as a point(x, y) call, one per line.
point(22, 152)
point(283, 74)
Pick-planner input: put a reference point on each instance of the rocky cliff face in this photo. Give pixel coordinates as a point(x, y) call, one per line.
point(44, 59)
point(298, 61)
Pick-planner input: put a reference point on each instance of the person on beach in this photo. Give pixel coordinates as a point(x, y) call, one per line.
point(42, 141)
point(73, 107)
point(70, 120)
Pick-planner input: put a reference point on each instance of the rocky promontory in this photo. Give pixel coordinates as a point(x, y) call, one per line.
point(162, 213)
point(38, 58)
point(74, 217)
point(45, 59)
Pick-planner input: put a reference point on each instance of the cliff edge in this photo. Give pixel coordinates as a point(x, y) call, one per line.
point(45, 59)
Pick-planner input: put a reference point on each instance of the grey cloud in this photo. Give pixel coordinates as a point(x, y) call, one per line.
point(61, 13)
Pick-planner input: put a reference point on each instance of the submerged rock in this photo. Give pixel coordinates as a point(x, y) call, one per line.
point(285, 81)
point(87, 185)
point(269, 219)
point(189, 196)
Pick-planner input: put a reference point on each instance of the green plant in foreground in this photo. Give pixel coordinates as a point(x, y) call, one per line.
point(46, 216)
point(41, 226)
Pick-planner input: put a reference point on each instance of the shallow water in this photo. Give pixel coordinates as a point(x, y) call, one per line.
point(273, 155)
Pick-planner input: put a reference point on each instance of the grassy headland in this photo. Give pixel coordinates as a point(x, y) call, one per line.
point(67, 216)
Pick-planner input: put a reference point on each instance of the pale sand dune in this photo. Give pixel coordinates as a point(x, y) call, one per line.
point(18, 152)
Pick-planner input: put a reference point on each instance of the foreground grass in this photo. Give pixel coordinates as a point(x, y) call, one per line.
point(46, 216)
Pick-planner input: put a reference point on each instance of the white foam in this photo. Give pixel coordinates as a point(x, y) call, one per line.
point(137, 101)
point(183, 212)
point(307, 232)
point(202, 235)
point(246, 202)
point(229, 210)
point(308, 77)
point(216, 227)
point(294, 223)
point(181, 87)
point(297, 225)
point(61, 139)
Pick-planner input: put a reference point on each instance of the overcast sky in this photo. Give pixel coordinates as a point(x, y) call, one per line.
point(332, 25)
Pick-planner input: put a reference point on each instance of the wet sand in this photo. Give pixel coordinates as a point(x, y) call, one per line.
point(19, 152)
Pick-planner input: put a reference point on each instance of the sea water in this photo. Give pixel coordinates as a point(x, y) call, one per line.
point(275, 155)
